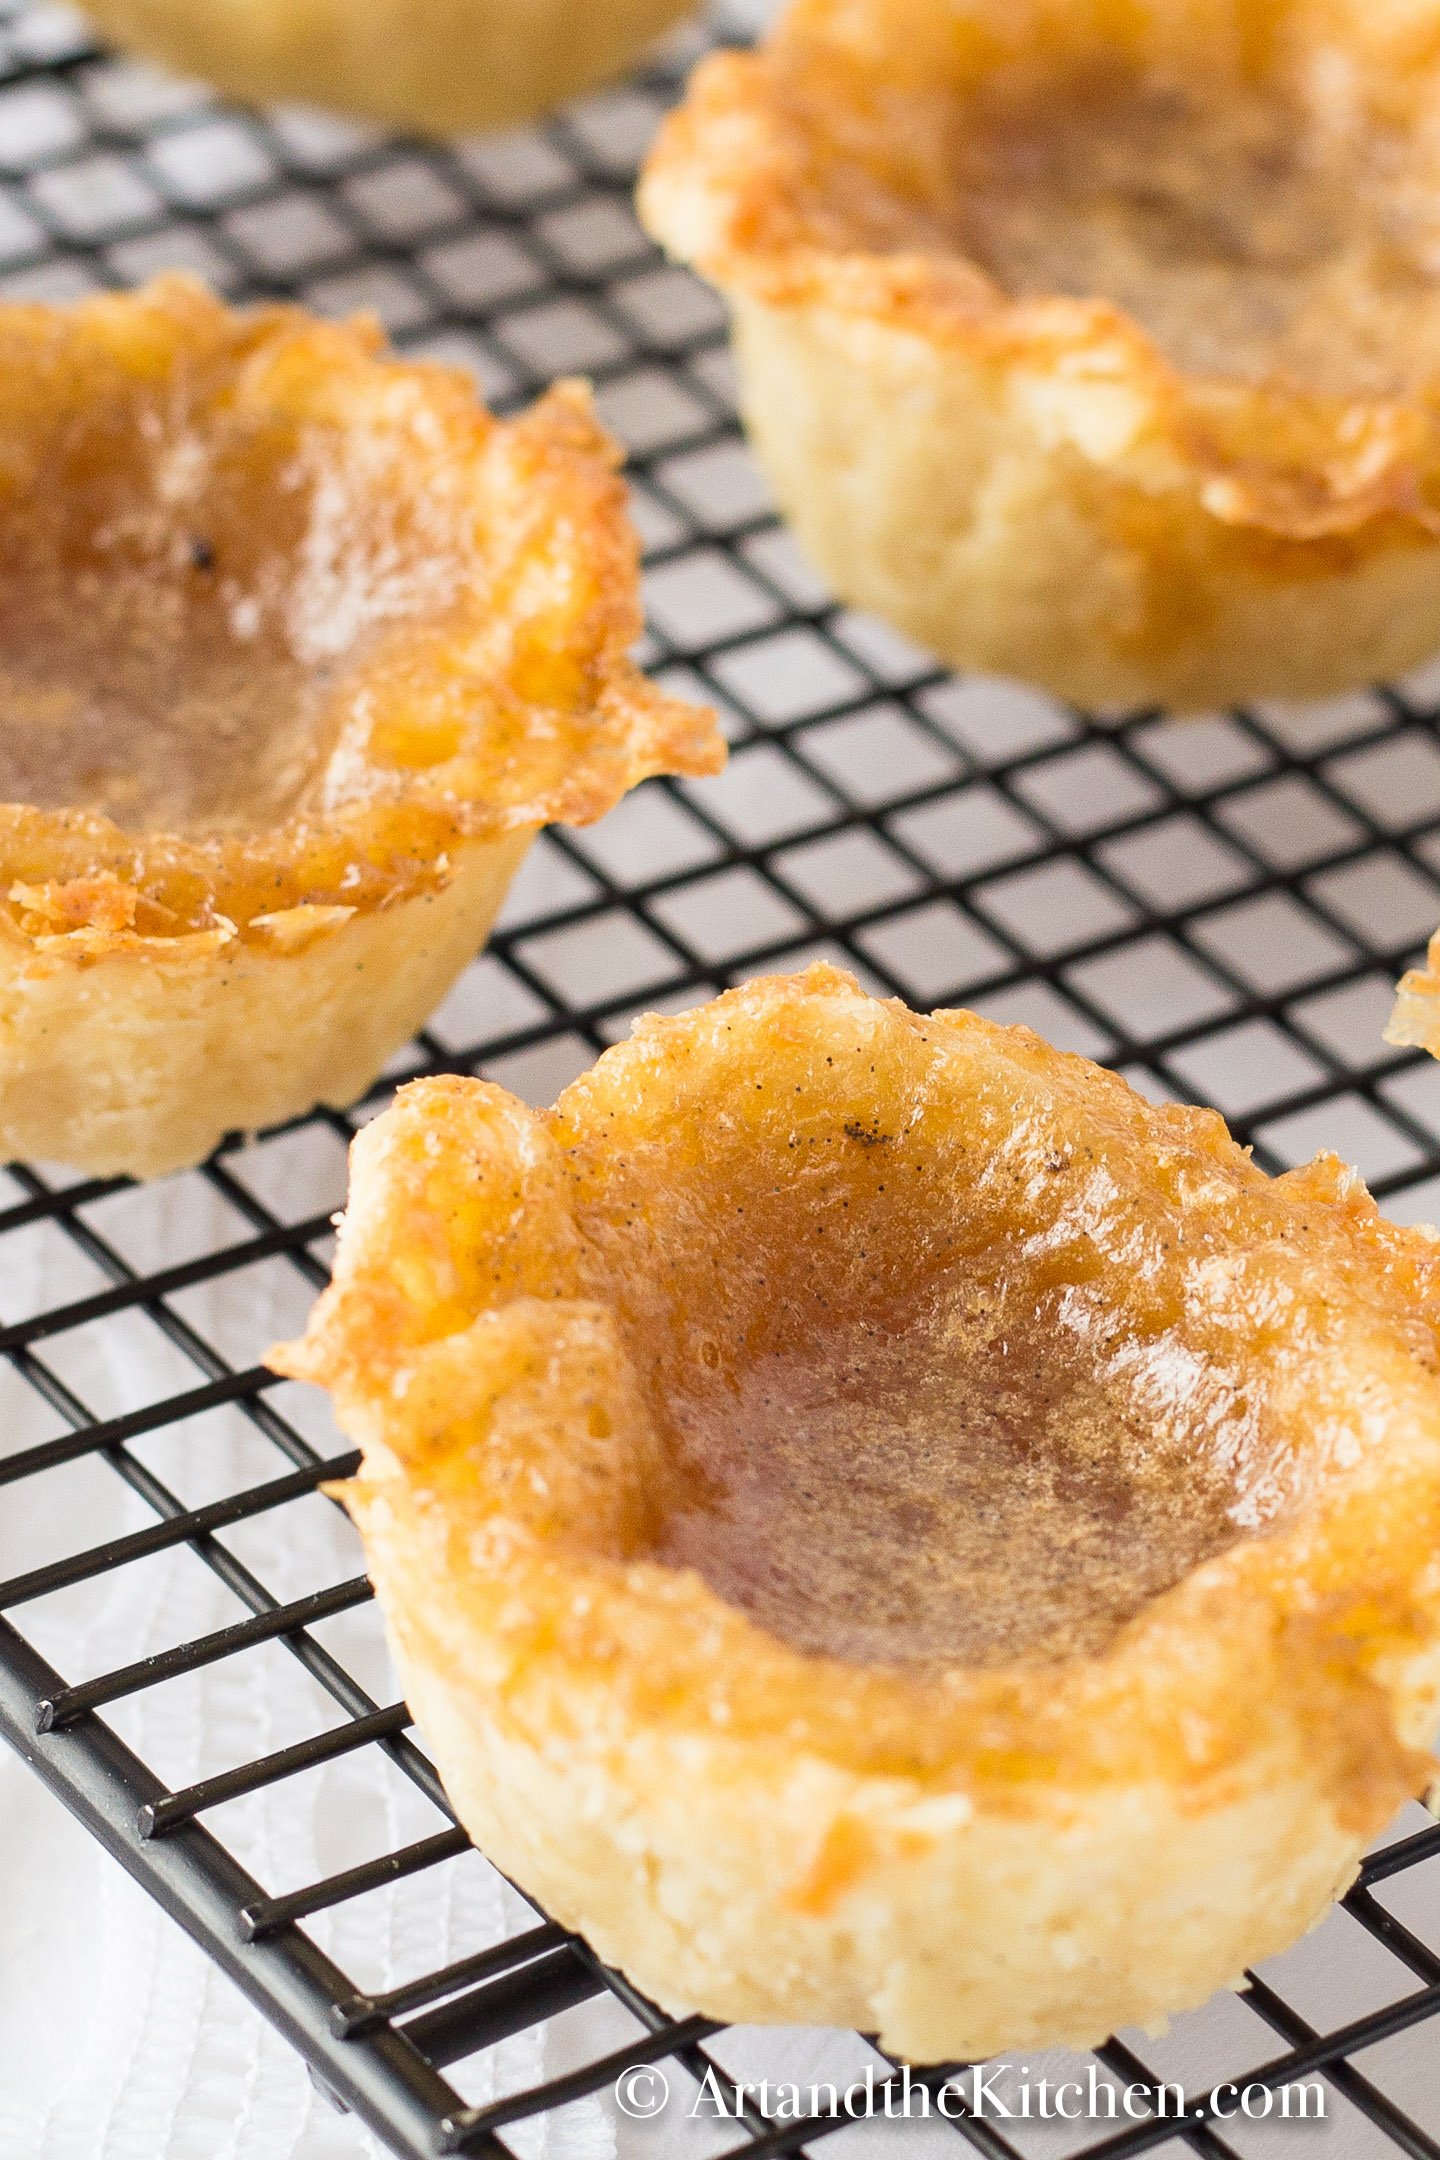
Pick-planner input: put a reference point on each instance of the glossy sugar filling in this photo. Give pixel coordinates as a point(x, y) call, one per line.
point(901, 1436)
point(962, 1491)
point(179, 629)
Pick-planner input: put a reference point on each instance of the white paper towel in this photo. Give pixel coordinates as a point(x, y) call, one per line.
point(118, 2039)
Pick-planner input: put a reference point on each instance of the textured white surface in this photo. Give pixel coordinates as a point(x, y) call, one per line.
point(126, 2041)
point(118, 2039)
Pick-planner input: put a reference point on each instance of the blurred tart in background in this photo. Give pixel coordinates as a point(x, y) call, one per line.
point(1097, 345)
point(435, 67)
point(298, 649)
point(882, 1526)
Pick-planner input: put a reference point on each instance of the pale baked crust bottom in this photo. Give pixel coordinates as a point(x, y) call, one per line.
point(921, 493)
point(963, 1856)
point(135, 1062)
point(441, 66)
point(679, 1856)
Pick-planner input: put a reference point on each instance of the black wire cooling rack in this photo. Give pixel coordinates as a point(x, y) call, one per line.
point(1218, 907)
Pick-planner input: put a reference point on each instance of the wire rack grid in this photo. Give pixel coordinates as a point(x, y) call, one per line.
point(1217, 907)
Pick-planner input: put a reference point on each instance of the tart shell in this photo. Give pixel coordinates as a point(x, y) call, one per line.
point(923, 496)
point(357, 642)
point(1415, 1021)
point(1013, 1850)
point(441, 67)
point(1029, 480)
point(143, 1062)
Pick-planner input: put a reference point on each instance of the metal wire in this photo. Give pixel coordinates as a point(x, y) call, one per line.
point(1218, 908)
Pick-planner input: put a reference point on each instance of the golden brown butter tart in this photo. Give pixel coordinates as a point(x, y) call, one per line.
point(298, 648)
point(884, 1526)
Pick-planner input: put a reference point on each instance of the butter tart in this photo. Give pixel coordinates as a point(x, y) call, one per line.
point(882, 1526)
point(440, 67)
point(1097, 345)
point(298, 649)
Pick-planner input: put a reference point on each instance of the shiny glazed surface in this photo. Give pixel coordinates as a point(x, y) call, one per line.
point(132, 695)
point(283, 620)
point(925, 1353)
point(962, 1491)
point(199, 556)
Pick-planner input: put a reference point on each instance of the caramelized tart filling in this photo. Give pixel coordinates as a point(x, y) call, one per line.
point(141, 708)
point(1276, 225)
point(1253, 234)
point(181, 629)
point(964, 1491)
point(910, 1415)
point(285, 620)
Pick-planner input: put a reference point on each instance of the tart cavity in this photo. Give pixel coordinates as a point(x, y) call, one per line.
point(881, 1525)
point(298, 648)
point(1099, 346)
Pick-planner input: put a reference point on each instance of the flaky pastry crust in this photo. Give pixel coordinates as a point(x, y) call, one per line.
point(439, 67)
point(1095, 344)
point(881, 1525)
point(1415, 1021)
point(298, 649)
